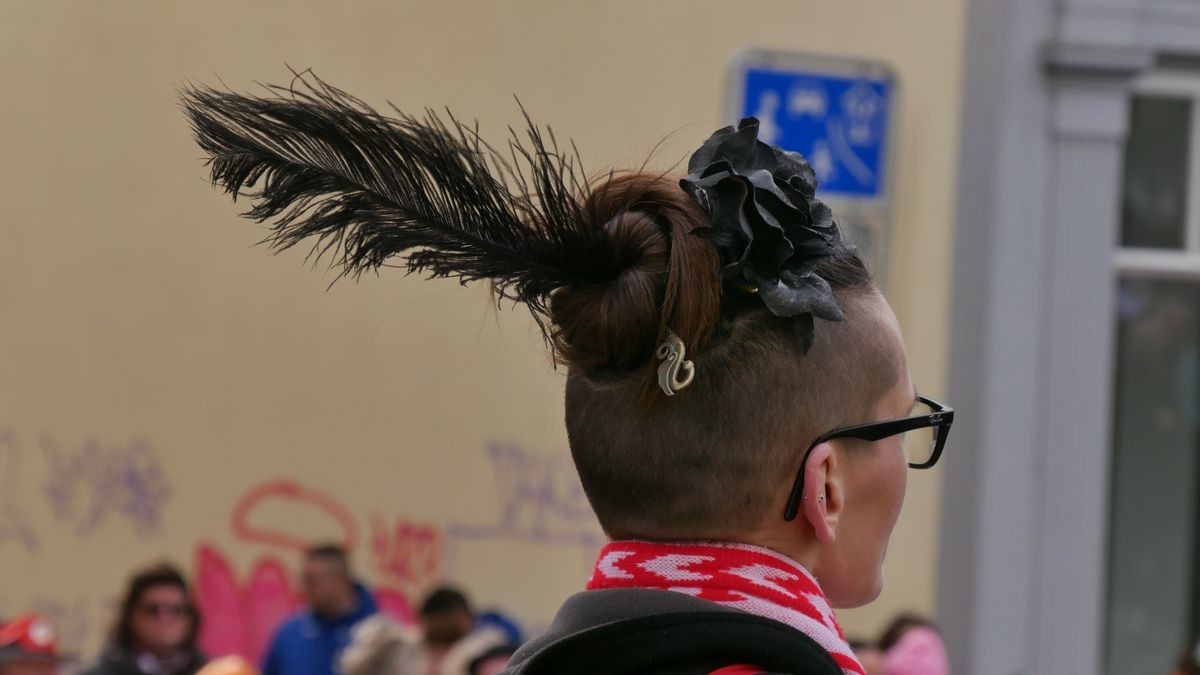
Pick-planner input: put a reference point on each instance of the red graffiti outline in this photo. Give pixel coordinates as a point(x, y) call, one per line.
point(293, 492)
point(407, 552)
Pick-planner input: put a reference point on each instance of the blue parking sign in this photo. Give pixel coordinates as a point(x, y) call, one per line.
point(838, 120)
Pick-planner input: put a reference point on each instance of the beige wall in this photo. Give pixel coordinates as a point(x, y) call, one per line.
point(156, 368)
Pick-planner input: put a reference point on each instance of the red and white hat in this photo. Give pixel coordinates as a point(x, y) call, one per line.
point(29, 637)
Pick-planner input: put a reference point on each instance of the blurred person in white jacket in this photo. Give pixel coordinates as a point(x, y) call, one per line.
point(449, 642)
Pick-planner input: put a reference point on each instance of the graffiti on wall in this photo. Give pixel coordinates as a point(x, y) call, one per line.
point(15, 526)
point(540, 503)
point(94, 482)
point(82, 489)
point(538, 499)
point(241, 613)
point(248, 584)
point(305, 501)
point(86, 486)
point(405, 554)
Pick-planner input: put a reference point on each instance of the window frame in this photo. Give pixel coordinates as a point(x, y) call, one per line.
point(1161, 265)
point(1182, 264)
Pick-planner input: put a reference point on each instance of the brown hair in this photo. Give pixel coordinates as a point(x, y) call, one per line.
point(705, 462)
point(663, 277)
point(160, 574)
point(331, 553)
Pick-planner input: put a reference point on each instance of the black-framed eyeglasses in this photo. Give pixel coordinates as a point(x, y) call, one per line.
point(923, 446)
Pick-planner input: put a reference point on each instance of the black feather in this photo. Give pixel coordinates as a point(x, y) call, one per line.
point(366, 188)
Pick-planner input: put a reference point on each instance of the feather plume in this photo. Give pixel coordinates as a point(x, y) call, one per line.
point(366, 189)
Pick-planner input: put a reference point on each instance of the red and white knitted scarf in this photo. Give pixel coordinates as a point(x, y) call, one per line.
point(753, 579)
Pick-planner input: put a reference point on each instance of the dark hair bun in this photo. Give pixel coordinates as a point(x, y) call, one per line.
point(615, 325)
point(663, 277)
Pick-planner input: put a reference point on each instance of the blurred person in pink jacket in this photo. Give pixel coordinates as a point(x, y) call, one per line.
point(913, 646)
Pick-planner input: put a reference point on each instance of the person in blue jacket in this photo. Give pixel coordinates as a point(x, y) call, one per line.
point(310, 642)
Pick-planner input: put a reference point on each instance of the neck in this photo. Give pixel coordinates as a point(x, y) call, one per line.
point(805, 552)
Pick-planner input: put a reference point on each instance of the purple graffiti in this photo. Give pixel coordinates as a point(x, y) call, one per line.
point(14, 525)
point(88, 486)
point(539, 499)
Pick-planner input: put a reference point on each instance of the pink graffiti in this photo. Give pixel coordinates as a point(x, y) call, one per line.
point(394, 604)
point(240, 618)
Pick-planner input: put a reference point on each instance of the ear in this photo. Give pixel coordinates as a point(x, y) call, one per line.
point(823, 497)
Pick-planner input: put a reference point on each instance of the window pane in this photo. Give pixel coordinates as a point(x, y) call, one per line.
point(1154, 204)
point(1156, 477)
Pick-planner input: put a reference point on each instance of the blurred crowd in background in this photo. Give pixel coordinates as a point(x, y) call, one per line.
point(340, 631)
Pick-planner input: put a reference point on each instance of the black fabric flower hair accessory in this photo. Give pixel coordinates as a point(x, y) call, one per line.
point(767, 224)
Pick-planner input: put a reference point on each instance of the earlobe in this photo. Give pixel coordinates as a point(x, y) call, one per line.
point(822, 500)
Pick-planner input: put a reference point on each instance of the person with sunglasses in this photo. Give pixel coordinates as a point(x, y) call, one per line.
point(738, 402)
point(155, 629)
